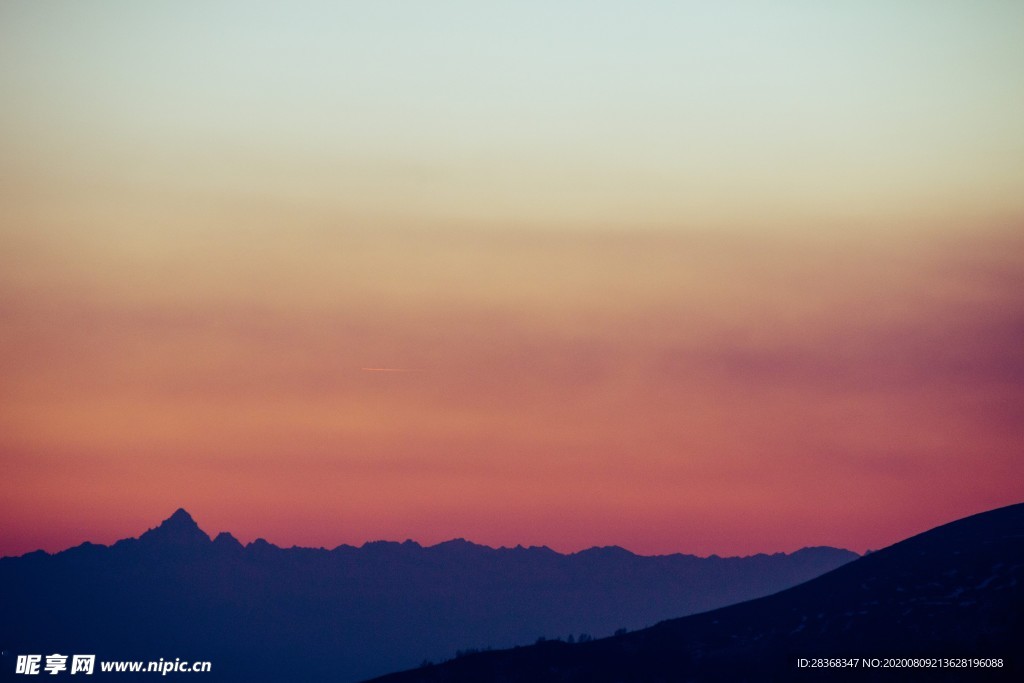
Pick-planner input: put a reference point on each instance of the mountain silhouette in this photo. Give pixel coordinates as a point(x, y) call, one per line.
point(262, 613)
point(178, 530)
point(954, 592)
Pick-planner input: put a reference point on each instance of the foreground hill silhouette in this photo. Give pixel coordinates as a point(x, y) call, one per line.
point(262, 613)
point(954, 591)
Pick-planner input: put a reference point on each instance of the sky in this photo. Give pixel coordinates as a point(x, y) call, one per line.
point(695, 277)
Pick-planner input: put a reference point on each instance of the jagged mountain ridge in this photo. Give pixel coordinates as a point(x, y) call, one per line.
point(350, 613)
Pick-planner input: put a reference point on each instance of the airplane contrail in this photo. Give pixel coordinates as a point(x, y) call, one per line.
point(391, 370)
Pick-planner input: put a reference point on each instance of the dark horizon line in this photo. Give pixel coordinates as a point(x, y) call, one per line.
point(186, 519)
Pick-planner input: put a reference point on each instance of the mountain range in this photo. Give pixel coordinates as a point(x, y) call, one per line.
point(259, 612)
point(951, 598)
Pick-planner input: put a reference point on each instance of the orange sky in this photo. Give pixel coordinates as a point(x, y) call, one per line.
point(757, 289)
point(687, 391)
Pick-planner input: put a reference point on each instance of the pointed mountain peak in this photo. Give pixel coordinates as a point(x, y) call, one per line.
point(180, 518)
point(226, 540)
point(179, 529)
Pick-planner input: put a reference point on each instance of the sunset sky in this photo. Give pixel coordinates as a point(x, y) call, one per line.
point(703, 277)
